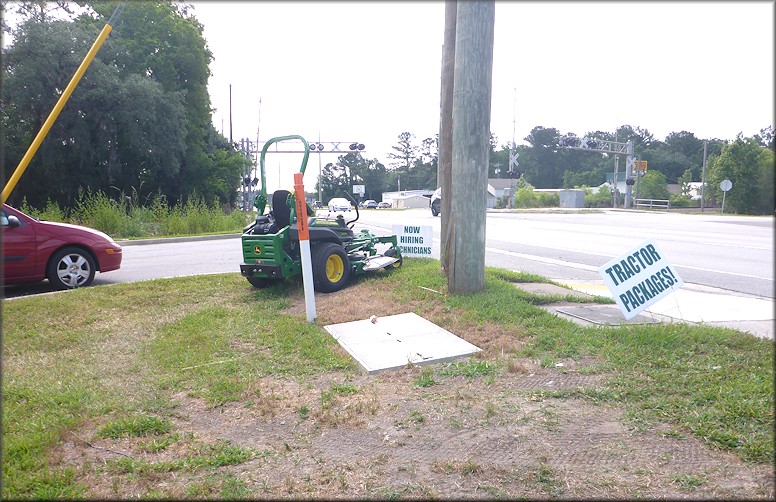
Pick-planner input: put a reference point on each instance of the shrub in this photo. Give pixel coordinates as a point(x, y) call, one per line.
point(683, 201)
point(600, 198)
point(100, 212)
point(502, 202)
point(52, 212)
point(526, 198)
point(126, 218)
point(545, 199)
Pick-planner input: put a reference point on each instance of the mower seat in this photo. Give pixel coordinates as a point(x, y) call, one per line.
point(280, 210)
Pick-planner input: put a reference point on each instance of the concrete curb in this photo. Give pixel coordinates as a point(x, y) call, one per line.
point(142, 242)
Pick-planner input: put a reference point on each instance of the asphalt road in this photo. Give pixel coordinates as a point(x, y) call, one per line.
point(729, 252)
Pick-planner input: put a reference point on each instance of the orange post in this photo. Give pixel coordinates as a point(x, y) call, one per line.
point(304, 246)
point(301, 207)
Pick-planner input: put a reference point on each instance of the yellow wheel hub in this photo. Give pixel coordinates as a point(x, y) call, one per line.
point(335, 268)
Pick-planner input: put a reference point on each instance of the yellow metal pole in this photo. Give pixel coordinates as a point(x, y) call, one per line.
point(55, 113)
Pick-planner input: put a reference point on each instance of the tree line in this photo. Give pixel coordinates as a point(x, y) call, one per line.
point(139, 121)
point(542, 163)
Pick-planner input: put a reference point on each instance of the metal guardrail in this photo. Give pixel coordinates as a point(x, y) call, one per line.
point(652, 203)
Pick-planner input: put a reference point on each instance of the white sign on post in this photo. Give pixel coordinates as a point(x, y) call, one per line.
point(640, 278)
point(414, 240)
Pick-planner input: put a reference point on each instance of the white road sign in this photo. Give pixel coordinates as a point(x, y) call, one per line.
point(640, 278)
point(414, 240)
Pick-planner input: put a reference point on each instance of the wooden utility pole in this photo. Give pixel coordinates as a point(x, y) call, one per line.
point(444, 171)
point(473, 82)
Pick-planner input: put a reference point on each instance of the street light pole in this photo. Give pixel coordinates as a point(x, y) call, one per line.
point(703, 172)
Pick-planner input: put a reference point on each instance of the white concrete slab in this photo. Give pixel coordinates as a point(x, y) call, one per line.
point(394, 341)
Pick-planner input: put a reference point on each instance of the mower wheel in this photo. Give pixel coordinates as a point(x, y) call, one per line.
point(392, 252)
point(261, 282)
point(331, 267)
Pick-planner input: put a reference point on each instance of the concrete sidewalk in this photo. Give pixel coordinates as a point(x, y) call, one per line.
point(694, 303)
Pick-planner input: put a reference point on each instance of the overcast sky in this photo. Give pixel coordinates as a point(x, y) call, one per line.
point(368, 71)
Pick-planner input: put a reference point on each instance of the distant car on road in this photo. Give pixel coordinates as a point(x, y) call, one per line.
point(67, 255)
point(383, 205)
point(339, 204)
point(370, 204)
point(436, 202)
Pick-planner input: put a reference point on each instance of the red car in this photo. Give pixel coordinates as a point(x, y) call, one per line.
point(66, 255)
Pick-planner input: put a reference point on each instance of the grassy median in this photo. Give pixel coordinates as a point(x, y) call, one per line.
point(115, 360)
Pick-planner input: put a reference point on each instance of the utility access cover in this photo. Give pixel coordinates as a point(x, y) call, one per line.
point(394, 341)
point(603, 314)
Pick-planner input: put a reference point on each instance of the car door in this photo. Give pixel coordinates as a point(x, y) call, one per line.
point(19, 249)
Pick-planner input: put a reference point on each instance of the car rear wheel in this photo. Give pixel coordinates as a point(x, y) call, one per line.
point(331, 267)
point(70, 268)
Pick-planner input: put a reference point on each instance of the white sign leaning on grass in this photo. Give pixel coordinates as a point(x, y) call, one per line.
point(414, 240)
point(640, 278)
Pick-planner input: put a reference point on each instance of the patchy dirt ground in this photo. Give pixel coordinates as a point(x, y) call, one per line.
point(460, 438)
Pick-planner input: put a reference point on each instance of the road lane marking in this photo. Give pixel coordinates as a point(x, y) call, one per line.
point(551, 261)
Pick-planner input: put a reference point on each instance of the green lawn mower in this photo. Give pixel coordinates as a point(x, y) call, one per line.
point(271, 250)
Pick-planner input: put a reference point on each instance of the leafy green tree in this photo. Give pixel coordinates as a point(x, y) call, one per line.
point(498, 159)
point(601, 197)
point(751, 169)
point(405, 153)
point(353, 169)
point(641, 138)
point(544, 164)
point(165, 42)
point(423, 173)
point(403, 158)
point(765, 138)
point(653, 185)
point(139, 119)
point(684, 182)
point(113, 132)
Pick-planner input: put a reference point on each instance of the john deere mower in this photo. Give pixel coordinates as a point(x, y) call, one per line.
point(271, 250)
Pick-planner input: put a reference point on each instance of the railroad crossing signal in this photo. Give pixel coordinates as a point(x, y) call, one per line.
point(513, 160)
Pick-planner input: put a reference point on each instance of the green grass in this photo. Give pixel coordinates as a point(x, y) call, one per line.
point(470, 368)
point(138, 426)
point(426, 378)
point(208, 456)
point(168, 335)
point(118, 358)
point(124, 217)
point(716, 383)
